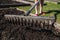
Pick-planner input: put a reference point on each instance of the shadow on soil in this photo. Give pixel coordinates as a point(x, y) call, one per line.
point(57, 12)
point(58, 2)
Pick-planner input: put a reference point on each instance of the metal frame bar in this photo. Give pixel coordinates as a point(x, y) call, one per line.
point(29, 11)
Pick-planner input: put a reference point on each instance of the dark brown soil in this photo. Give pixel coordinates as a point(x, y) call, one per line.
point(11, 11)
point(17, 32)
point(10, 2)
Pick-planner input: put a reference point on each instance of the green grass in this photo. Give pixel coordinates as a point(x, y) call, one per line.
point(54, 8)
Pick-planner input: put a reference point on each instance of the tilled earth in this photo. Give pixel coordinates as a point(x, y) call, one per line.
point(11, 2)
point(18, 32)
point(11, 11)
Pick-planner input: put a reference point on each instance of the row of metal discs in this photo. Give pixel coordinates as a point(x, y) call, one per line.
point(31, 23)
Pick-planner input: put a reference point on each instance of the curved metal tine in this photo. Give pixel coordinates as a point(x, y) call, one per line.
point(46, 24)
point(6, 18)
point(18, 20)
point(30, 23)
point(23, 22)
point(41, 24)
point(36, 23)
point(33, 21)
point(50, 24)
point(27, 21)
point(9, 19)
point(14, 20)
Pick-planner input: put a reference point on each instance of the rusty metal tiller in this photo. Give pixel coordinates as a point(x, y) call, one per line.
point(33, 22)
